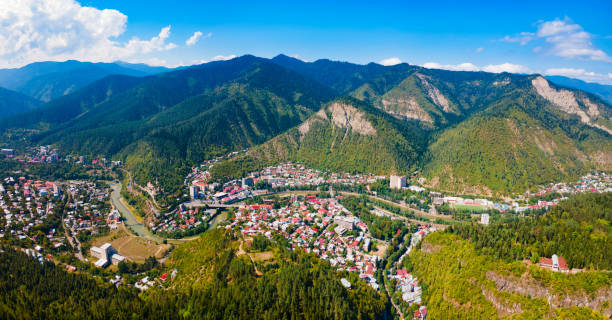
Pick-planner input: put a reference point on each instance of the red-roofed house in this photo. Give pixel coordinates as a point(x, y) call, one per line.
point(556, 263)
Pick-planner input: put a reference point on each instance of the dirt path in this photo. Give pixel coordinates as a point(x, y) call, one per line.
point(397, 308)
point(241, 252)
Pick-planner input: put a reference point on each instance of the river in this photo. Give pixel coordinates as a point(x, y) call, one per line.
point(130, 220)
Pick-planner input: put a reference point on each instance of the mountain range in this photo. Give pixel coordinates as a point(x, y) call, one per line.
point(469, 132)
point(604, 91)
point(48, 80)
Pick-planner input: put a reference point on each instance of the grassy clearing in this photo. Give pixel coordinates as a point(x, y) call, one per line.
point(132, 247)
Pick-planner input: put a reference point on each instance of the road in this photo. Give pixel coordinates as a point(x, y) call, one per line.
point(417, 212)
point(130, 220)
point(397, 308)
point(74, 242)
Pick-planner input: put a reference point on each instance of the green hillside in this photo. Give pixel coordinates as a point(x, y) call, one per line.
point(515, 144)
point(478, 272)
point(347, 135)
point(461, 283)
point(12, 103)
point(286, 284)
point(72, 106)
point(214, 281)
point(577, 229)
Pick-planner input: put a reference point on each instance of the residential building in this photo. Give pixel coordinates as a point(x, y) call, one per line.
point(398, 182)
point(484, 219)
point(556, 263)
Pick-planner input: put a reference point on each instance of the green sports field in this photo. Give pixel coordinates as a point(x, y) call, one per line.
point(469, 207)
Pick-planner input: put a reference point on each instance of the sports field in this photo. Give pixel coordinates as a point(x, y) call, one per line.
point(469, 207)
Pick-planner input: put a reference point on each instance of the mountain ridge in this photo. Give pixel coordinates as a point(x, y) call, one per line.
point(181, 117)
point(48, 80)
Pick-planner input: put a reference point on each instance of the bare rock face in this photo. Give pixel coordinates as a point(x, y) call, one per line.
point(566, 101)
point(434, 94)
point(347, 116)
point(408, 108)
point(593, 108)
point(502, 83)
point(503, 307)
point(527, 286)
point(304, 128)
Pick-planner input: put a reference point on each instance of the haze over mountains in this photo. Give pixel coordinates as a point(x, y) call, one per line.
point(46, 81)
point(601, 90)
point(472, 132)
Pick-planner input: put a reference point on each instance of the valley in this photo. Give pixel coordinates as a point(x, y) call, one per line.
point(269, 188)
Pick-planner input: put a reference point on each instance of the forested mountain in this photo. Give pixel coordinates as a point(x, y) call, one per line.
point(46, 81)
point(526, 137)
point(177, 119)
point(344, 77)
point(604, 91)
point(486, 133)
point(472, 132)
point(347, 134)
point(12, 102)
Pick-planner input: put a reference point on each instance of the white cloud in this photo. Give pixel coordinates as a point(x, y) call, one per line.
point(57, 30)
point(390, 61)
point(218, 58)
point(459, 67)
point(297, 56)
point(563, 38)
point(196, 36)
point(479, 49)
point(467, 66)
point(506, 67)
point(523, 38)
point(588, 76)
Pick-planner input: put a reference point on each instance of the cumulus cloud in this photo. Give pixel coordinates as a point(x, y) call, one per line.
point(506, 67)
point(562, 38)
point(458, 67)
point(195, 37)
point(467, 66)
point(588, 76)
point(57, 30)
point(390, 61)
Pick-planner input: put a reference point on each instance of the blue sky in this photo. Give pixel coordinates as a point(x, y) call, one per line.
point(557, 37)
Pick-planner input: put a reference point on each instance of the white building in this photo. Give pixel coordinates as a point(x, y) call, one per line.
point(416, 189)
point(116, 258)
point(398, 182)
point(104, 254)
point(484, 219)
point(345, 283)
